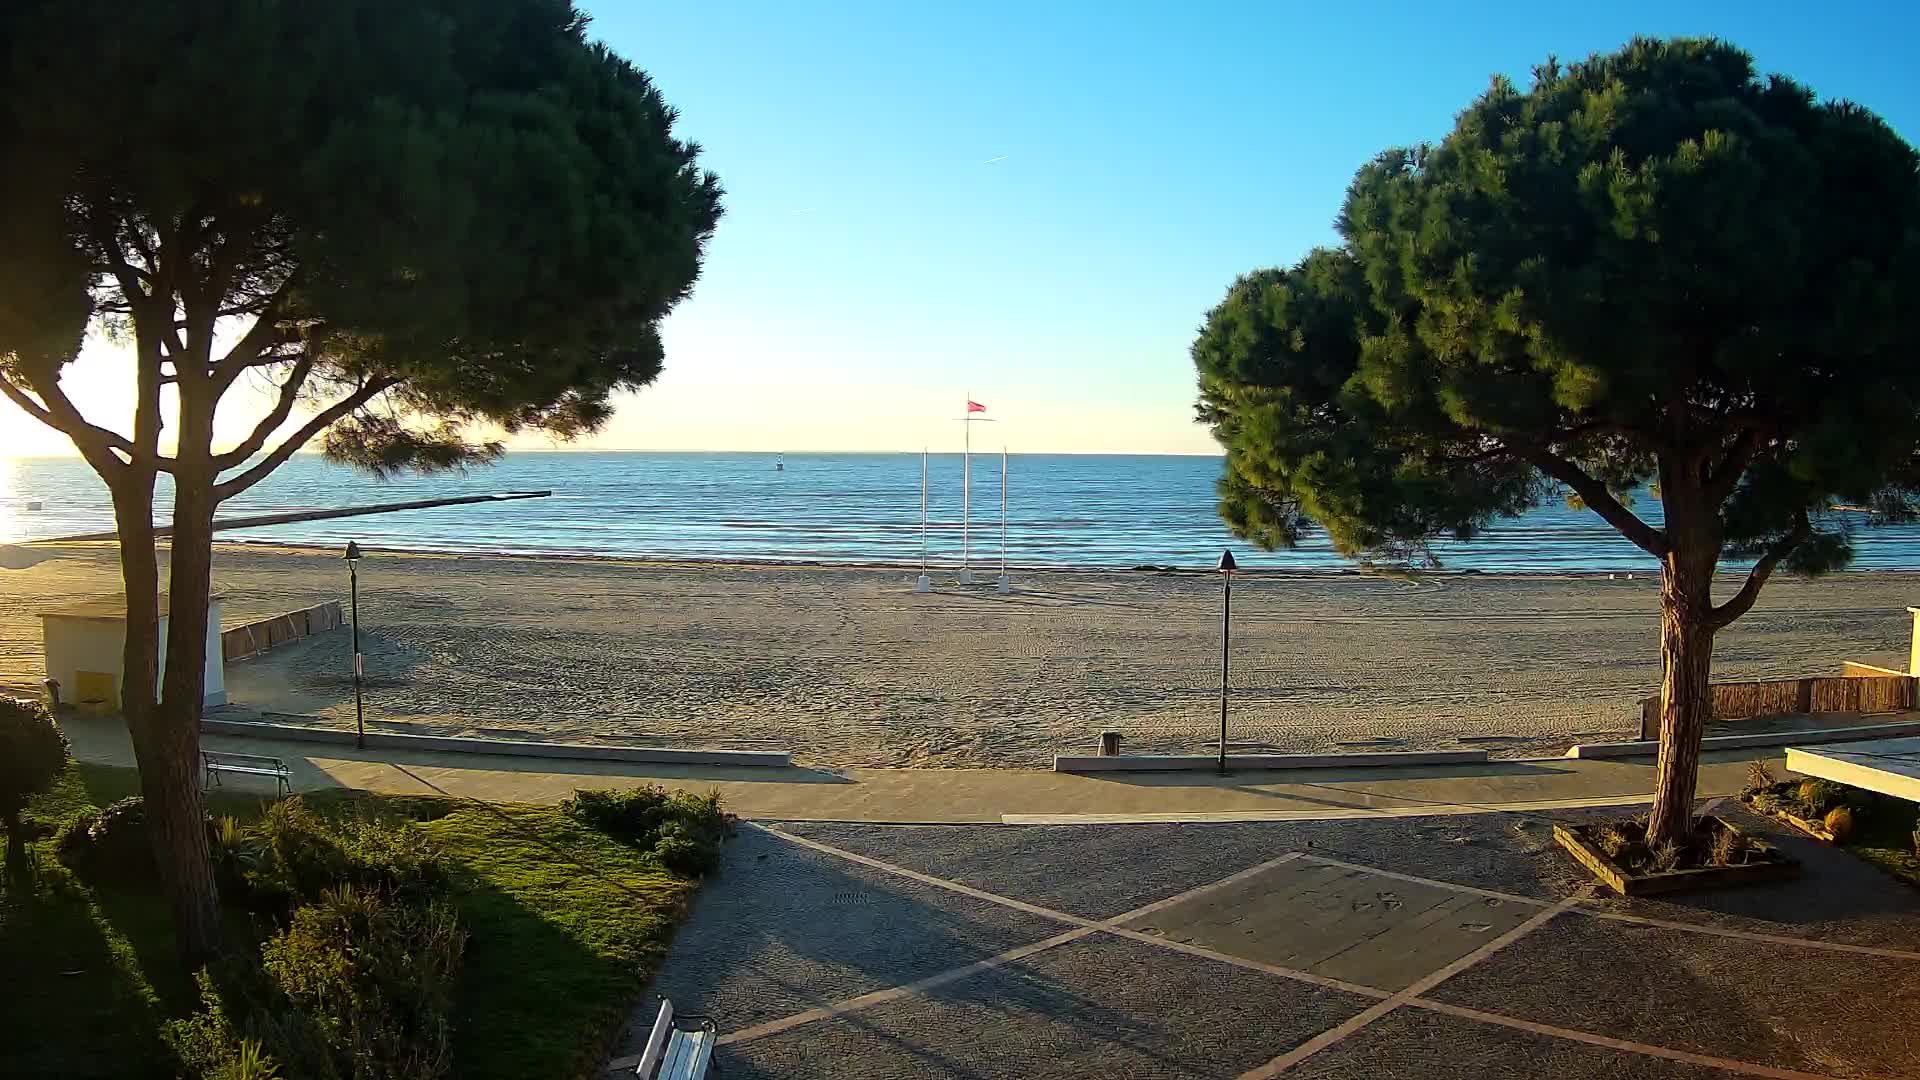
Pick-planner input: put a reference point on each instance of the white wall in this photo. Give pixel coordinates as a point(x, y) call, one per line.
point(75, 644)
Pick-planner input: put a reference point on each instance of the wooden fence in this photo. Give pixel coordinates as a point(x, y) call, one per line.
point(257, 637)
point(1862, 689)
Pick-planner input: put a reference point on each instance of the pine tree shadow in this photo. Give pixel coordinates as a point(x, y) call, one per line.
point(80, 996)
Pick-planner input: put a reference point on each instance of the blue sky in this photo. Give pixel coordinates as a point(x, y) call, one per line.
point(1038, 202)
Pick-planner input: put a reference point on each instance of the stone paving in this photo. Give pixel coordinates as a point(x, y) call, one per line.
point(1423, 948)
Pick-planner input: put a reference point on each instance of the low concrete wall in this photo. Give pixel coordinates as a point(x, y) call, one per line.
point(257, 637)
point(1651, 747)
point(502, 747)
point(1067, 763)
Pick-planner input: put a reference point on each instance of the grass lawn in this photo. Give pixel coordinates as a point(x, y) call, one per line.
point(564, 924)
point(1886, 839)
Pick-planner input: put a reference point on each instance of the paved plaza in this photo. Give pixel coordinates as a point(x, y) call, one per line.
point(1417, 947)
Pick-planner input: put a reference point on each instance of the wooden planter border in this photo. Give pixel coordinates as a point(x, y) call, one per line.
point(1816, 829)
point(1776, 867)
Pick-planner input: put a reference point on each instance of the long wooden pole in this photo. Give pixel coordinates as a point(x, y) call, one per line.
point(966, 490)
point(315, 515)
point(923, 510)
point(1003, 511)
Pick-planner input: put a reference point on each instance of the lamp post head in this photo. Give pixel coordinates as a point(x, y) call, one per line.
point(353, 551)
point(1227, 565)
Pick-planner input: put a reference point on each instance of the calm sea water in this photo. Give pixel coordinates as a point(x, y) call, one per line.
point(1063, 510)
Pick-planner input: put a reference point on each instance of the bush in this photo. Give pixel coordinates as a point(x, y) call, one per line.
point(211, 1048)
point(369, 982)
point(1729, 848)
point(359, 984)
point(109, 845)
point(1759, 777)
point(684, 831)
point(1819, 795)
point(1839, 821)
point(293, 855)
point(33, 754)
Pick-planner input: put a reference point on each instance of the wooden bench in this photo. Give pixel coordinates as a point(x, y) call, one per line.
point(213, 763)
point(674, 1052)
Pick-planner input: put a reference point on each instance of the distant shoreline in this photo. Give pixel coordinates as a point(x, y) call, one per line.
point(985, 572)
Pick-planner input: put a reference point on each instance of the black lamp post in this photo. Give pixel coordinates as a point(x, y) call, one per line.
point(359, 711)
point(1227, 568)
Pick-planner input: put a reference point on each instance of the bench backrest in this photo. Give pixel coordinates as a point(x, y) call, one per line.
point(215, 757)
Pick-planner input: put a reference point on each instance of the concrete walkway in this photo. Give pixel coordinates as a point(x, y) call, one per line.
point(967, 795)
point(1462, 948)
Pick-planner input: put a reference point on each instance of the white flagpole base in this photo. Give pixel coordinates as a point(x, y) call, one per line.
point(1006, 585)
point(966, 577)
point(923, 584)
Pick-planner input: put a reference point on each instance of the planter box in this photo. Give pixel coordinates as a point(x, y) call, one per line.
point(1817, 830)
point(1615, 877)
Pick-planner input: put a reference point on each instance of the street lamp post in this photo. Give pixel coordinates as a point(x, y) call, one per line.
point(359, 711)
point(1226, 628)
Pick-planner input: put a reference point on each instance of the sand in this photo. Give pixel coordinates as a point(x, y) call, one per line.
point(846, 666)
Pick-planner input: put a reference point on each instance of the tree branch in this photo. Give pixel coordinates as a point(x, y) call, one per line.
point(258, 336)
point(324, 419)
point(1721, 480)
point(60, 414)
point(283, 408)
point(1599, 500)
point(1742, 601)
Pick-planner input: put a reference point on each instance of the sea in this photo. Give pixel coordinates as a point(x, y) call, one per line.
point(1061, 510)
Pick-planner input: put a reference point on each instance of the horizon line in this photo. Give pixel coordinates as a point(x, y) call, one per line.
point(699, 450)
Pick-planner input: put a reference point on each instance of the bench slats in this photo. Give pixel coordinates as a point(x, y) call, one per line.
point(688, 1053)
point(214, 762)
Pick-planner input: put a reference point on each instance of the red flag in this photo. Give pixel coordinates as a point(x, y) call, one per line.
point(974, 407)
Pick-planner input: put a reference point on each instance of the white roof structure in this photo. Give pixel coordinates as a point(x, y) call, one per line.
point(1888, 766)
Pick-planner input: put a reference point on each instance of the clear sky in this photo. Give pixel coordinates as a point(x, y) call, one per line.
point(1036, 203)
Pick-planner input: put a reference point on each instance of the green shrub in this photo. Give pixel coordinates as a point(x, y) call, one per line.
point(683, 830)
point(633, 814)
point(293, 855)
point(1729, 848)
point(1839, 821)
point(1816, 797)
point(1666, 857)
point(358, 985)
point(396, 858)
point(209, 1046)
point(33, 754)
point(685, 857)
point(367, 984)
point(109, 845)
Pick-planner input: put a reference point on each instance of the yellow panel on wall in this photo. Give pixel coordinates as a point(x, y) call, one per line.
point(94, 691)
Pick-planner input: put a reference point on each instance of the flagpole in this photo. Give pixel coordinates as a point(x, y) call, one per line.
point(966, 498)
point(923, 583)
point(1006, 585)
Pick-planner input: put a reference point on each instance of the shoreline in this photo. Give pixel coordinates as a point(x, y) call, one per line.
point(986, 570)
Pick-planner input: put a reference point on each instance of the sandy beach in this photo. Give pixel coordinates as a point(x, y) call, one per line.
point(846, 666)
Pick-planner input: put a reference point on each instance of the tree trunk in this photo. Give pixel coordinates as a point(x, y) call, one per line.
point(1686, 660)
point(166, 745)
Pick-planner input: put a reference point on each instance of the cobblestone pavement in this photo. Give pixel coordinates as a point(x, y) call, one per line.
point(1423, 948)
